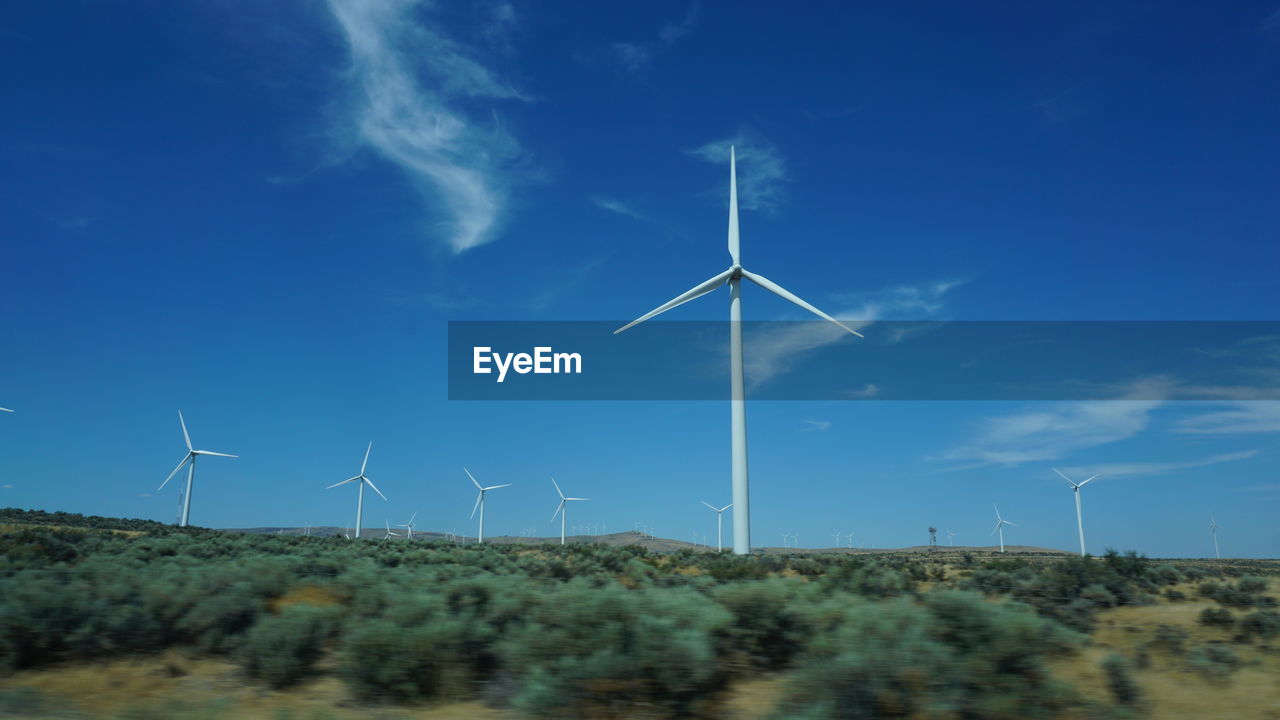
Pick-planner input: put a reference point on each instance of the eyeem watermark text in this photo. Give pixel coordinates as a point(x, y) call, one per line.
point(543, 361)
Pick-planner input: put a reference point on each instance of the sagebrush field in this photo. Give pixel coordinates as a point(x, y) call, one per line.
point(133, 619)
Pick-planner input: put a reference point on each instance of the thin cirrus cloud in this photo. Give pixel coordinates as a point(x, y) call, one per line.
point(762, 171)
point(1057, 429)
point(776, 347)
point(617, 206)
point(1260, 416)
point(816, 426)
point(635, 57)
point(423, 101)
point(1118, 470)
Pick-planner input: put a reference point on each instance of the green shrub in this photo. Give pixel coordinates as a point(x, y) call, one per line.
point(281, 649)
point(1170, 639)
point(766, 628)
point(1120, 681)
point(1264, 624)
point(952, 655)
point(1215, 661)
point(1216, 617)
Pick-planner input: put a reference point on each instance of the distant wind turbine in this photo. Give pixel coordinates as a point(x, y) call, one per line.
point(950, 541)
point(390, 533)
point(1079, 515)
point(190, 462)
point(719, 523)
point(1000, 523)
point(362, 480)
point(562, 509)
point(1213, 530)
point(409, 526)
point(480, 500)
point(733, 277)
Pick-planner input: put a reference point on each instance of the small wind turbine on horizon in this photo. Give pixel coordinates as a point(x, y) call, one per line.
point(1079, 514)
point(1213, 530)
point(409, 527)
point(719, 523)
point(390, 533)
point(1000, 523)
point(190, 462)
point(738, 423)
point(480, 501)
point(562, 509)
point(362, 480)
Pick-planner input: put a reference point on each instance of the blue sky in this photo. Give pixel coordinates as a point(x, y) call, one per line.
point(265, 214)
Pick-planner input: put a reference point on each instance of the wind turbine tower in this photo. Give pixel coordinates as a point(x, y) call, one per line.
point(480, 500)
point(1079, 515)
point(361, 480)
point(737, 397)
point(719, 523)
point(190, 462)
point(1213, 530)
point(562, 509)
point(1000, 523)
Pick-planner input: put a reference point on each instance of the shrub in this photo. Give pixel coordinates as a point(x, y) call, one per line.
point(1216, 617)
point(1120, 681)
point(766, 629)
point(1170, 638)
point(952, 655)
point(1263, 623)
point(1175, 595)
point(1214, 661)
point(281, 649)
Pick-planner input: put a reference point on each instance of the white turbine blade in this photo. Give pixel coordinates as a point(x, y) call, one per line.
point(558, 492)
point(726, 507)
point(696, 292)
point(175, 472)
point(495, 487)
point(704, 502)
point(1086, 482)
point(558, 509)
point(997, 511)
point(993, 530)
point(366, 458)
point(1006, 522)
point(473, 478)
point(785, 294)
point(185, 436)
point(375, 487)
point(415, 516)
point(476, 507)
point(344, 482)
point(5, 410)
point(733, 207)
point(1064, 477)
point(577, 498)
point(210, 452)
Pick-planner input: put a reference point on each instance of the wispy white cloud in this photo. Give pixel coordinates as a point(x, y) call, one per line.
point(816, 425)
point(424, 102)
point(1243, 418)
point(637, 56)
point(1117, 470)
point(774, 349)
point(6, 487)
point(616, 206)
point(761, 169)
point(1057, 429)
point(144, 495)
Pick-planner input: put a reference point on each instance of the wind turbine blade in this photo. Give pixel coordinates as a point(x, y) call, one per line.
point(1006, 522)
point(558, 509)
point(210, 452)
point(344, 482)
point(1086, 482)
point(558, 492)
point(785, 294)
point(495, 487)
point(473, 478)
point(726, 507)
point(415, 517)
point(696, 292)
point(185, 436)
point(1064, 477)
point(733, 206)
point(704, 502)
point(993, 530)
point(366, 458)
point(997, 511)
point(577, 498)
point(5, 410)
point(175, 472)
point(375, 487)
point(476, 507)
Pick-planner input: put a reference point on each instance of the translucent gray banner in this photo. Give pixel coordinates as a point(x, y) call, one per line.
point(895, 361)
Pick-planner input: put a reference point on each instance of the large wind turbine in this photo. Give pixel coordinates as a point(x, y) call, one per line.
point(719, 523)
point(190, 462)
point(480, 500)
point(362, 480)
point(1079, 515)
point(733, 276)
point(1000, 523)
point(561, 509)
point(1213, 530)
